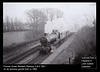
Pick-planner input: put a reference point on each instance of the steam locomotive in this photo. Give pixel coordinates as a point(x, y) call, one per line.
point(49, 39)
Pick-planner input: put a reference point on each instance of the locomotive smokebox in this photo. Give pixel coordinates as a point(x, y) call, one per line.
point(43, 41)
point(49, 39)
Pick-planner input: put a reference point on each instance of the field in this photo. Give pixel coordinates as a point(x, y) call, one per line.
point(13, 38)
point(13, 41)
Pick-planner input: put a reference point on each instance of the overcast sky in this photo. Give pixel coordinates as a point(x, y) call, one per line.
point(18, 9)
point(72, 11)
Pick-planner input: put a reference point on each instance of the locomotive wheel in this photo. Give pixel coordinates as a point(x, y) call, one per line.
point(45, 50)
point(49, 49)
point(41, 52)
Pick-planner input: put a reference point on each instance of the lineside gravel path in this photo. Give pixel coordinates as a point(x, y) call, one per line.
point(51, 58)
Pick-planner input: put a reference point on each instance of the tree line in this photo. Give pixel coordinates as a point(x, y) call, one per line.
point(10, 24)
point(37, 18)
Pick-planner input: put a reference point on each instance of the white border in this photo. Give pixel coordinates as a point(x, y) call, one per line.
point(49, 3)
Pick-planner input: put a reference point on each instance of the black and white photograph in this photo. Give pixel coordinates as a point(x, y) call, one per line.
point(48, 33)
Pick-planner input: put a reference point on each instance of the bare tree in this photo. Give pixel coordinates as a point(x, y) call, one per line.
point(58, 13)
point(4, 26)
point(52, 13)
point(17, 24)
point(38, 20)
point(12, 24)
point(7, 22)
point(36, 17)
point(52, 16)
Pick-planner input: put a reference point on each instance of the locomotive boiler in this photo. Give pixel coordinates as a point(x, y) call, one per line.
point(49, 40)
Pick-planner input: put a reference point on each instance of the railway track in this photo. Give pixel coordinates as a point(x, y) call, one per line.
point(18, 52)
point(17, 58)
point(32, 56)
point(40, 58)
